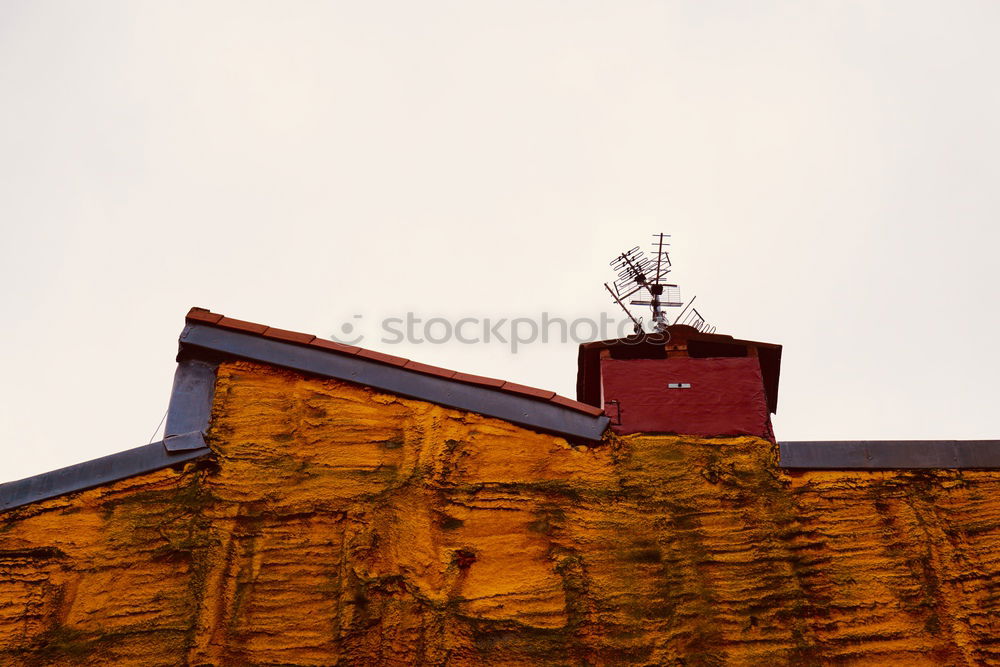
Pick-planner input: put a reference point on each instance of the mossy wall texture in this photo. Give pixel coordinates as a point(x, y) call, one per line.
point(338, 525)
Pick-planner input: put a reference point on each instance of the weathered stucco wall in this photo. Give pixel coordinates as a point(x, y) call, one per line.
point(337, 525)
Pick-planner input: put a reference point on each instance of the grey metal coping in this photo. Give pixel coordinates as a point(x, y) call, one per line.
point(890, 454)
point(522, 410)
point(191, 397)
point(93, 473)
point(187, 418)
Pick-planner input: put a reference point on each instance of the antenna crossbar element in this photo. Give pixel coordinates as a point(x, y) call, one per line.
point(681, 314)
point(662, 256)
point(634, 269)
point(694, 319)
point(637, 325)
point(669, 294)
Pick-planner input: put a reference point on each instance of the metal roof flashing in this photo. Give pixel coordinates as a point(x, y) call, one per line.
point(184, 440)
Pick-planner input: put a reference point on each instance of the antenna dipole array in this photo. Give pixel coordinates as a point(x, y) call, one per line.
point(692, 318)
point(641, 281)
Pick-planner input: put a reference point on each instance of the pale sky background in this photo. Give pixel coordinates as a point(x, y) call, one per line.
point(828, 171)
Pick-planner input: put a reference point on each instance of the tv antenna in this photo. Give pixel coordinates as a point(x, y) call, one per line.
point(693, 318)
point(642, 282)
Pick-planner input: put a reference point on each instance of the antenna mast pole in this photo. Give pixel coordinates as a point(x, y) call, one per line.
point(655, 291)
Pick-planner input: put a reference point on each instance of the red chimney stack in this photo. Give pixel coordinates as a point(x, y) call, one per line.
point(687, 382)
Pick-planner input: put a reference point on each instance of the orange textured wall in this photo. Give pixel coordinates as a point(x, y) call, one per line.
point(338, 525)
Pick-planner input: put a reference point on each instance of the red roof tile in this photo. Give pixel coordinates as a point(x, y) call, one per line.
point(528, 391)
point(576, 405)
point(240, 325)
point(428, 369)
point(478, 379)
point(204, 316)
point(290, 336)
point(335, 346)
point(384, 358)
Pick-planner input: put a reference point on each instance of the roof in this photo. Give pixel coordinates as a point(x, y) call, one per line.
point(204, 317)
point(209, 338)
point(693, 342)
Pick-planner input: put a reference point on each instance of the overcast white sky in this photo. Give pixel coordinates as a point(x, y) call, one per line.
point(828, 172)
